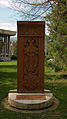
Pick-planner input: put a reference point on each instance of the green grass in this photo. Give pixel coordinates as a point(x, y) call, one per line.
point(57, 83)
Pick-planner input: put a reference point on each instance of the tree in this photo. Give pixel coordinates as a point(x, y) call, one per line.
point(57, 22)
point(32, 9)
point(54, 11)
point(13, 48)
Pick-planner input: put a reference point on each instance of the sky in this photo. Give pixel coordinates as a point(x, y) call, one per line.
point(8, 20)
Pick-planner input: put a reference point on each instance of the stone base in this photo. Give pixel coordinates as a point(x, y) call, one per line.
point(30, 100)
point(15, 91)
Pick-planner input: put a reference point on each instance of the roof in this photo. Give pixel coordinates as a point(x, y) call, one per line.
point(7, 32)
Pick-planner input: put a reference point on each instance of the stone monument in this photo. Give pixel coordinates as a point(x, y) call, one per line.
point(30, 93)
point(30, 57)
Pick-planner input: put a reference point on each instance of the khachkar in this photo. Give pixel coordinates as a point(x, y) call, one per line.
point(30, 92)
point(31, 57)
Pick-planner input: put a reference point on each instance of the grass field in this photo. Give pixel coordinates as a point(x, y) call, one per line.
point(56, 82)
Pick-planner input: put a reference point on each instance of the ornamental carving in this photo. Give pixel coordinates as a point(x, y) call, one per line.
point(30, 58)
point(31, 53)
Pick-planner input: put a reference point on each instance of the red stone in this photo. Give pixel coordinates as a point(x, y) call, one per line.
point(30, 58)
point(30, 97)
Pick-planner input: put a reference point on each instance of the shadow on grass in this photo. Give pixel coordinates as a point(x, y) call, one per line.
point(4, 89)
point(8, 66)
point(4, 75)
point(55, 77)
point(8, 78)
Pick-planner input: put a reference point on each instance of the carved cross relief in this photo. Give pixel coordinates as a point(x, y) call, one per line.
point(30, 61)
point(31, 52)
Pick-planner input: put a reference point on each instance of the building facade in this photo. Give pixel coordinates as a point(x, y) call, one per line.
point(5, 40)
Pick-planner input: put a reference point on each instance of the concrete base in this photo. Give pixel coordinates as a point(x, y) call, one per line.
point(30, 100)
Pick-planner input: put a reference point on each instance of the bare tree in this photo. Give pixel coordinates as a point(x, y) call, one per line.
point(32, 9)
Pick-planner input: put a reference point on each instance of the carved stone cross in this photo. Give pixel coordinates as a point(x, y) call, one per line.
point(30, 57)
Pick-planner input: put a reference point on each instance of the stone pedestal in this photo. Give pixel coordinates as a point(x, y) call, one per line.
point(30, 100)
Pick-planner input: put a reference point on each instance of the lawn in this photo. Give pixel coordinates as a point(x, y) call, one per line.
point(56, 82)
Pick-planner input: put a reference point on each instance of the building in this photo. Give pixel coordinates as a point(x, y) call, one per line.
point(5, 38)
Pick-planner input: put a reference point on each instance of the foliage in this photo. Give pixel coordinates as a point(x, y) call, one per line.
point(57, 22)
point(14, 57)
point(13, 48)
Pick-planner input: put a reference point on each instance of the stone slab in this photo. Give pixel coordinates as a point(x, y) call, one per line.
point(30, 104)
point(30, 59)
point(15, 91)
point(30, 97)
point(50, 108)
